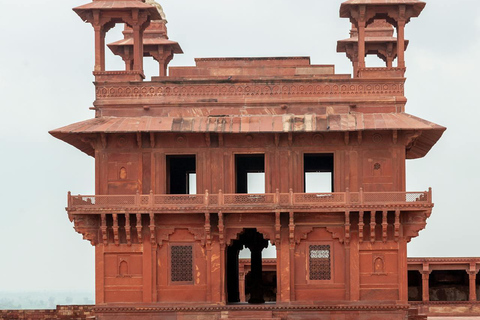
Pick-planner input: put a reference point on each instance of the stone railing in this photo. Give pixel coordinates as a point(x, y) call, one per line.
point(276, 201)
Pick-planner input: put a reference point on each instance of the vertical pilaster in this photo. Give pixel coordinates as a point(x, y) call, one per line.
point(208, 245)
point(278, 247)
point(99, 274)
point(354, 271)
point(222, 256)
point(291, 227)
point(147, 271)
point(402, 271)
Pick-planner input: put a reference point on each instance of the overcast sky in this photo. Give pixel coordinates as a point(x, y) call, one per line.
point(46, 79)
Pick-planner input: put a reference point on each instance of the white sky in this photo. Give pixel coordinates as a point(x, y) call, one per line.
point(46, 82)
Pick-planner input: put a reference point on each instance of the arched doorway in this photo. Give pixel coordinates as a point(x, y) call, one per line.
point(253, 240)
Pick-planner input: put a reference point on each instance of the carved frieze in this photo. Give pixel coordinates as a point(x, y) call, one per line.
point(297, 89)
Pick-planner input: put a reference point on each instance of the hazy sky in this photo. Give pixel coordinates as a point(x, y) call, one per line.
point(46, 79)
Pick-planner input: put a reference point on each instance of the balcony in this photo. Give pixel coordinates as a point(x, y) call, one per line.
point(201, 203)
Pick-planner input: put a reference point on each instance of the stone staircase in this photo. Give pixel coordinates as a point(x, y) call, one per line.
point(414, 315)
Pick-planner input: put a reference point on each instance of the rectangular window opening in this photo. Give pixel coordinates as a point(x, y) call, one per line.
point(250, 173)
point(181, 174)
point(181, 265)
point(319, 262)
point(318, 173)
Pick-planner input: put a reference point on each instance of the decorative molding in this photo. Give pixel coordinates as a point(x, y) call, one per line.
point(155, 89)
point(215, 308)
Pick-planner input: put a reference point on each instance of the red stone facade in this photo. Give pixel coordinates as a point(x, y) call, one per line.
point(176, 160)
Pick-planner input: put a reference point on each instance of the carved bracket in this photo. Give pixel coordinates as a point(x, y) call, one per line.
point(87, 226)
point(337, 233)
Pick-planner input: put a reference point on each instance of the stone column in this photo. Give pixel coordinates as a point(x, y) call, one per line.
point(256, 292)
point(361, 25)
point(241, 286)
point(425, 286)
point(99, 48)
point(472, 285)
point(137, 48)
point(401, 37)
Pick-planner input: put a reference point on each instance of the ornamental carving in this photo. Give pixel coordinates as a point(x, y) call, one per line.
point(337, 232)
point(87, 226)
point(302, 89)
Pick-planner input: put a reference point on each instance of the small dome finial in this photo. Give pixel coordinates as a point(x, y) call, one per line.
point(159, 8)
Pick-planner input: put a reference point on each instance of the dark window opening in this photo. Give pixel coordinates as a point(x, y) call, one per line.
point(477, 286)
point(181, 268)
point(414, 285)
point(181, 175)
point(269, 284)
point(449, 285)
point(318, 173)
point(259, 285)
point(250, 173)
point(319, 262)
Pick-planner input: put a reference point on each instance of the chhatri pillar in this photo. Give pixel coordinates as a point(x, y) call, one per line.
point(379, 41)
point(398, 13)
point(104, 15)
point(155, 44)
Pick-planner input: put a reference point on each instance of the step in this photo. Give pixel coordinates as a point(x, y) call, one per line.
point(253, 318)
point(248, 315)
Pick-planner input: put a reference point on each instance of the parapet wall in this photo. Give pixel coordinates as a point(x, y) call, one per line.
point(61, 312)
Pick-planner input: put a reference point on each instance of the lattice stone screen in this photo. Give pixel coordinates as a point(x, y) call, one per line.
point(319, 262)
point(182, 263)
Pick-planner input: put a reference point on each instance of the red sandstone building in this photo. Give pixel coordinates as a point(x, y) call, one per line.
point(179, 159)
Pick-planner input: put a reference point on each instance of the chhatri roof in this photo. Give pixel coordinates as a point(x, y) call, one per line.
point(415, 4)
point(74, 134)
point(114, 46)
point(117, 5)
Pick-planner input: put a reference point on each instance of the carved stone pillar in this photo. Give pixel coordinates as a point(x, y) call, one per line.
point(241, 286)
point(401, 37)
point(361, 36)
point(472, 274)
point(99, 47)
point(137, 48)
point(425, 286)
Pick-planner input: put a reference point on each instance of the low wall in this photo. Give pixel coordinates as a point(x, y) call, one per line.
point(448, 309)
point(61, 312)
